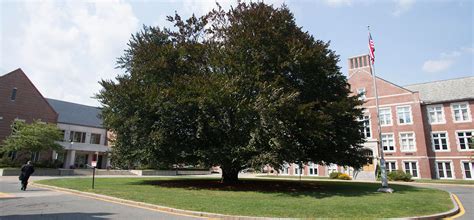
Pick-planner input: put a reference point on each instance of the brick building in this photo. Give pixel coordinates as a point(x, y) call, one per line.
point(21, 100)
point(425, 127)
point(85, 138)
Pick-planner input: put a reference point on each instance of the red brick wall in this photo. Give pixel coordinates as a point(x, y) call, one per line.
point(391, 96)
point(454, 154)
point(29, 104)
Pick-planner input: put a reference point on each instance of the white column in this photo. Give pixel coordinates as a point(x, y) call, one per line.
point(107, 165)
point(70, 158)
point(54, 155)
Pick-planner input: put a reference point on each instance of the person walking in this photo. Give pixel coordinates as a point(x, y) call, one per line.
point(26, 171)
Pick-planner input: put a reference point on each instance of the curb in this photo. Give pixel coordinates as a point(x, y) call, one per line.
point(153, 207)
point(449, 213)
point(189, 213)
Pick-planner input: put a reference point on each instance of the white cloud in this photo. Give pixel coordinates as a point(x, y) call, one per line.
point(402, 6)
point(338, 3)
point(446, 60)
point(468, 49)
point(435, 66)
point(67, 47)
point(200, 7)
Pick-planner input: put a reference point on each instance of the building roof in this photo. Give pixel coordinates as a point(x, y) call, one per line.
point(445, 90)
point(77, 114)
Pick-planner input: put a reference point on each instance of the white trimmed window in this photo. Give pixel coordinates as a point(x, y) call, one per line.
point(78, 137)
point(464, 138)
point(385, 116)
point(444, 169)
point(285, 169)
point(404, 115)
point(298, 170)
point(388, 142)
point(436, 114)
point(95, 138)
point(313, 169)
point(439, 141)
point(35, 156)
point(411, 167)
point(390, 166)
point(365, 119)
point(467, 169)
point(332, 168)
point(461, 112)
point(361, 92)
point(407, 141)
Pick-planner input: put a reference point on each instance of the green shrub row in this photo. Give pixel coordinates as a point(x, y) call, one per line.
point(399, 175)
point(339, 175)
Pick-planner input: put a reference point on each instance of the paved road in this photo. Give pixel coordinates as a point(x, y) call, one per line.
point(464, 193)
point(36, 203)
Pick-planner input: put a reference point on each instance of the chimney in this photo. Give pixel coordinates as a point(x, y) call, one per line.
point(358, 64)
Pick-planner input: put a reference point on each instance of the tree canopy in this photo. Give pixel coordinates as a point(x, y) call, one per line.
point(238, 88)
point(35, 137)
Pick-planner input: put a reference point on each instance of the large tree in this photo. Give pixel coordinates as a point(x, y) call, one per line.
point(237, 88)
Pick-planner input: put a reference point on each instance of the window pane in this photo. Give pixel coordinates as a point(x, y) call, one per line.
point(440, 170)
point(467, 170)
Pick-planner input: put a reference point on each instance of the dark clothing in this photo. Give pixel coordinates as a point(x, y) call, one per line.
point(26, 171)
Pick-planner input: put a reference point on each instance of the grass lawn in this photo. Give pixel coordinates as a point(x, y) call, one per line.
point(271, 198)
point(466, 182)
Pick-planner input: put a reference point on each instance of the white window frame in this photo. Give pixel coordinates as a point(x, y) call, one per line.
point(314, 166)
point(410, 113)
point(387, 168)
point(453, 175)
point(469, 119)
point(458, 144)
point(35, 156)
point(331, 167)
point(433, 107)
point(363, 92)
point(411, 168)
point(282, 171)
point(394, 143)
point(297, 170)
point(433, 144)
point(390, 117)
point(400, 141)
point(367, 114)
point(464, 171)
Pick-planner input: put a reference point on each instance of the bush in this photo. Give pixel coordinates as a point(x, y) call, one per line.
point(49, 164)
point(334, 175)
point(339, 175)
point(344, 176)
point(8, 162)
point(399, 175)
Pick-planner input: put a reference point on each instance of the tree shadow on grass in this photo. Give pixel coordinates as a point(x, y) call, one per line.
point(316, 189)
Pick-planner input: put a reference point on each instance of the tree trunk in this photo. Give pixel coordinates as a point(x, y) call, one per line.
point(230, 175)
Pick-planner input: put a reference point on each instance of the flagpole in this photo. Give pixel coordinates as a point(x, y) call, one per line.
point(383, 171)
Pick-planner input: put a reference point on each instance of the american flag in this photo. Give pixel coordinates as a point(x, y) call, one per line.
point(371, 48)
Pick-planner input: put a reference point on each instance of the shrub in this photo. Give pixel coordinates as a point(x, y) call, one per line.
point(49, 164)
point(399, 175)
point(339, 175)
point(334, 175)
point(8, 162)
point(344, 176)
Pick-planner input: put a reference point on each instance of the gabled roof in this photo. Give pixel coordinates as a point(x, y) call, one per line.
point(445, 90)
point(19, 72)
point(77, 114)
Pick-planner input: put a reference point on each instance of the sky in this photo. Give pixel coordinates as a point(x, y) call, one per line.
point(66, 47)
